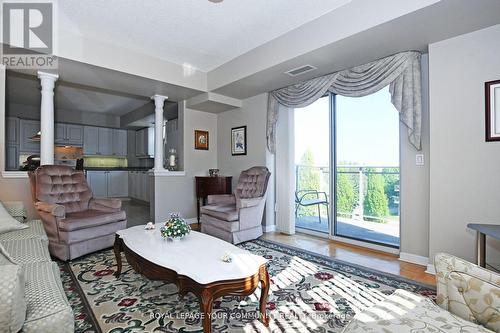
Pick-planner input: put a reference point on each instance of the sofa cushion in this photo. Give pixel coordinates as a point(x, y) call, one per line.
point(48, 309)
point(227, 226)
point(222, 212)
point(7, 222)
point(89, 219)
point(35, 230)
point(24, 251)
point(405, 312)
point(12, 300)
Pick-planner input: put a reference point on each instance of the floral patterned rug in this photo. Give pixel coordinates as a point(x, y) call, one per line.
point(309, 293)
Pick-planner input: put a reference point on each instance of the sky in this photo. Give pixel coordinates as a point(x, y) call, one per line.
point(367, 130)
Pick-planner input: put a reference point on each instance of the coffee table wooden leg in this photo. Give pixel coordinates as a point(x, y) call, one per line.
point(264, 293)
point(206, 302)
point(117, 248)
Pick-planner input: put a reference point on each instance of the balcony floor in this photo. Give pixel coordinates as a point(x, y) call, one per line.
point(383, 233)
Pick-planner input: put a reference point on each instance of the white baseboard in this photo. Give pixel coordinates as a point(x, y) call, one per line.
point(431, 269)
point(269, 228)
point(414, 258)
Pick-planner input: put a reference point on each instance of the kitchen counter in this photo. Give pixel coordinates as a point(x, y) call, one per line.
point(116, 168)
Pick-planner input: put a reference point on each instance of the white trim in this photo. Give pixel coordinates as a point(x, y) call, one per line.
point(318, 234)
point(269, 228)
point(413, 258)
point(166, 173)
point(430, 269)
point(192, 220)
point(14, 174)
point(381, 248)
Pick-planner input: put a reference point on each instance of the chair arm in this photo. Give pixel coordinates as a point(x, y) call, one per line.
point(248, 202)
point(16, 209)
point(221, 199)
point(105, 204)
point(53, 209)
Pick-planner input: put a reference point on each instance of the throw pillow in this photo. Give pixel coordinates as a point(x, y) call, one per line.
point(7, 222)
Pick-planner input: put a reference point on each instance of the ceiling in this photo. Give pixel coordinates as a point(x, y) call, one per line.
point(198, 33)
point(25, 89)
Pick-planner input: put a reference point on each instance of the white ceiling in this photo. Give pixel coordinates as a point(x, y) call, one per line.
point(26, 90)
point(197, 33)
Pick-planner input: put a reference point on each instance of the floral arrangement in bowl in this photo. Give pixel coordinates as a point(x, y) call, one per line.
point(175, 227)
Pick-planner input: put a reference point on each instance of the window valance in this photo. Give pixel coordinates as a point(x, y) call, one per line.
point(401, 71)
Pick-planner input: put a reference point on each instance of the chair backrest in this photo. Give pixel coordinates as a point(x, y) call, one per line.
point(60, 184)
point(253, 182)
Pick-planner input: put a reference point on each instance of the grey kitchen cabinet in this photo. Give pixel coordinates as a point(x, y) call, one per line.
point(117, 184)
point(97, 181)
point(144, 142)
point(119, 143)
point(105, 141)
point(139, 186)
point(97, 141)
point(12, 130)
point(69, 134)
point(12, 157)
point(90, 140)
point(27, 129)
point(108, 183)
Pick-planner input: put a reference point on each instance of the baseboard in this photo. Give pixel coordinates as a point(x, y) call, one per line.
point(431, 269)
point(269, 228)
point(414, 258)
point(191, 220)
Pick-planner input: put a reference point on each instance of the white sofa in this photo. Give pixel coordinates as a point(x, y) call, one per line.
point(468, 300)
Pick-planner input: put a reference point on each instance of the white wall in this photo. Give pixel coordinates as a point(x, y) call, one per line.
point(465, 170)
point(253, 115)
point(177, 194)
point(414, 194)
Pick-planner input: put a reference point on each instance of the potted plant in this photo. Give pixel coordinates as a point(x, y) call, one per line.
point(175, 228)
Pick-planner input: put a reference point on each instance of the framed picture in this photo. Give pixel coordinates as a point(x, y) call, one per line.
point(492, 94)
point(239, 140)
point(201, 140)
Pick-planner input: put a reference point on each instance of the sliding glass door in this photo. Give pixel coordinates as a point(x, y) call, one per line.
point(356, 140)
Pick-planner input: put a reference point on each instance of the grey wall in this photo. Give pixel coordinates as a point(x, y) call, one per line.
point(414, 194)
point(177, 194)
point(464, 172)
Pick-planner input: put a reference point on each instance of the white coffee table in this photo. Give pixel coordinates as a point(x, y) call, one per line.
point(194, 264)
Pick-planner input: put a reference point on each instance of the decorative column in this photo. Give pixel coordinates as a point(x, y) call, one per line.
point(159, 101)
point(47, 81)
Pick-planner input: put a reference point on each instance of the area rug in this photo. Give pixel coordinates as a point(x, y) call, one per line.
point(309, 293)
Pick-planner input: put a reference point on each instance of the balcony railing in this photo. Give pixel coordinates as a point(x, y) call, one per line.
point(366, 193)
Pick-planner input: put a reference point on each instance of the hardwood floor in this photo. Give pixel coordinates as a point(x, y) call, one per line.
point(373, 259)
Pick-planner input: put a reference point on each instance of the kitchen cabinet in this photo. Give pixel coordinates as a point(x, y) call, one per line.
point(12, 129)
point(119, 143)
point(97, 141)
point(113, 184)
point(144, 143)
point(139, 185)
point(12, 157)
point(28, 129)
point(68, 134)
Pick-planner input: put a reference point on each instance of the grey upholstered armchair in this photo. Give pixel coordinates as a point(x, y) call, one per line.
point(75, 222)
point(238, 218)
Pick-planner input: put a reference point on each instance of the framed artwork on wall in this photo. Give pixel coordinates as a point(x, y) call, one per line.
point(239, 140)
point(201, 140)
point(492, 101)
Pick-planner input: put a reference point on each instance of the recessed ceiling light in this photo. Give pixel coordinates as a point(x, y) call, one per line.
point(215, 1)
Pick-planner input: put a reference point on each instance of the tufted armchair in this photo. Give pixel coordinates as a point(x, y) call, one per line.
point(238, 218)
point(75, 223)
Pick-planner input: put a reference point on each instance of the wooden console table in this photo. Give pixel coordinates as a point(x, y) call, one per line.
point(483, 230)
point(206, 186)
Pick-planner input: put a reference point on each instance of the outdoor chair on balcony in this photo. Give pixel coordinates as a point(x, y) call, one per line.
point(306, 198)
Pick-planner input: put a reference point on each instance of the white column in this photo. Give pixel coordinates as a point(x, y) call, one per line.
point(47, 81)
point(159, 101)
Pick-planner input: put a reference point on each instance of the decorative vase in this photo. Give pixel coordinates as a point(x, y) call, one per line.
point(175, 228)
